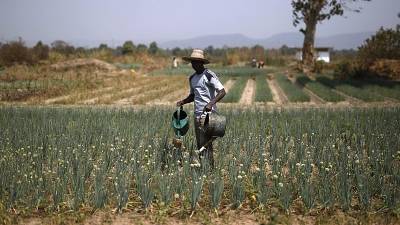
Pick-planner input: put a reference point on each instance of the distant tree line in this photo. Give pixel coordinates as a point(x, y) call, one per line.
point(16, 52)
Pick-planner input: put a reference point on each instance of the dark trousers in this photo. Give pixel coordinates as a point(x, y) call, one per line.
point(202, 138)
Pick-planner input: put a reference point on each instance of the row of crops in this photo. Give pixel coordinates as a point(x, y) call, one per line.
point(327, 89)
point(63, 159)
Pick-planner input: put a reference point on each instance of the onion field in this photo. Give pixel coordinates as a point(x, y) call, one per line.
point(59, 159)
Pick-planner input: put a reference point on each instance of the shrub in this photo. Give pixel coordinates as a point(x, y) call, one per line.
point(388, 68)
point(41, 51)
point(15, 53)
point(319, 66)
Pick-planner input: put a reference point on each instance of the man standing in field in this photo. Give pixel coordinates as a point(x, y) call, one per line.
point(205, 91)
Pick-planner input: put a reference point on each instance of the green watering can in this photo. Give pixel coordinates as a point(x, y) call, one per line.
point(180, 122)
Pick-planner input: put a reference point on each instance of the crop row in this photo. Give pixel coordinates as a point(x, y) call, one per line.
point(235, 93)
point(293, 92)
point(319, 89)
point(263, 92)
point(350, 88)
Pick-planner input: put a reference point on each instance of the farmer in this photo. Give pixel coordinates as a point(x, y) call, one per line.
point(205, 90)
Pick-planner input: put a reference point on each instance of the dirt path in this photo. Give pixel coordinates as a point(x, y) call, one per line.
point(248, 93)
point(228, 85)
point(278, 95)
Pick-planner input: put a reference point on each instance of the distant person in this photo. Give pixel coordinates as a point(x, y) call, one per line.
point(254, 62)
point(260, 64)
point(174, 62)
point(205, 91)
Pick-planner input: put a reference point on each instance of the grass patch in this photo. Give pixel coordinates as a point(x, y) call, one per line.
point(319, 89)
point(293, 92)
point(263, 92)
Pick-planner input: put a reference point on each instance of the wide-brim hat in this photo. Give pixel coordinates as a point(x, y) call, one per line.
point(197, 55)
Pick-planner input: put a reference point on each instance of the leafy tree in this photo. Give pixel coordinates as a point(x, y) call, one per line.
point(153, 48)
point(385, 44)
point(311, 12)
point(128, 48)
point(103, 46)
point(62, 47)
point(141, 48)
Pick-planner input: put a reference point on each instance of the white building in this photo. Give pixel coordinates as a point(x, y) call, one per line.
point(322, 54)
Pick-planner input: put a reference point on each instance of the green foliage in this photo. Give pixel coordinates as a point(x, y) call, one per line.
point(385, 44)
point(128, 48)
point(319, 89)
point(153, 48)
point(235, 93)
point(263, 92)
point(68, 158)
point(293, 92)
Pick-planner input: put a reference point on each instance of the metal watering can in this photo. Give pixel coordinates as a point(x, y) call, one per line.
point(213, 124)
point(180, 122)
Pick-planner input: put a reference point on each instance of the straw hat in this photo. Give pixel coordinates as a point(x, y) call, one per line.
point(197, 55)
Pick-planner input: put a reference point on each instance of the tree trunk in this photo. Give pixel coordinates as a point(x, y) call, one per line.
point(308, 44)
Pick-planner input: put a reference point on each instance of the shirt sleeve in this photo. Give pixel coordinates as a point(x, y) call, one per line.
point(214, 81)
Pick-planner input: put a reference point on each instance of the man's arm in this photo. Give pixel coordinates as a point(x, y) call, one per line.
point(188, 99)
point(220, 94)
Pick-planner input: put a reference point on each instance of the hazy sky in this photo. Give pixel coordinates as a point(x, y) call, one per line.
point(161, 20)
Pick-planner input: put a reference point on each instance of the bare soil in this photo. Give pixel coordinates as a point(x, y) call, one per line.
point(248, 93)
point(278, 95)
point(228, 85)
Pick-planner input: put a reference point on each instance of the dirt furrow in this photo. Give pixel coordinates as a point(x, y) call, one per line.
point(278, 95)
point(228, 85)
point(133, 88)
point(149, 91)
point(66, 97)
point(248, 93)
point(148, 97)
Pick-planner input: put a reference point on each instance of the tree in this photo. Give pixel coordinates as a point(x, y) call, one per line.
point(128, 47)
point(41, 51)
point(103, 46)
point(141, 48)
point(15, 52)
point(311, 12)
point(62, 47)
point(153, 48)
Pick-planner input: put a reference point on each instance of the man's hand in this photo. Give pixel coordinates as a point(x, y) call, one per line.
point(180, 103)
point(208, 107)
